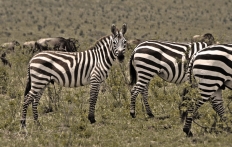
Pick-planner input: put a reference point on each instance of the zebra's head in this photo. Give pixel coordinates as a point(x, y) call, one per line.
point(119, 42)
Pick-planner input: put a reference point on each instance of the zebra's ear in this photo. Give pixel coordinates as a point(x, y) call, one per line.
point(124, 28)
point(113, 29)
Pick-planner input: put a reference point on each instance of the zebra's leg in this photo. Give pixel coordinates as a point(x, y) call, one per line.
point(190, 114)
point(29, 98)
point(188, 122)
point(35, 103)
point(145, 95)
point(217, 103)
point(134, 94)
point(183, 114)
point(92, 102)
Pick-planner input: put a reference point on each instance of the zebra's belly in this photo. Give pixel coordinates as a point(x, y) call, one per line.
point(171, 77)
point(71, 82)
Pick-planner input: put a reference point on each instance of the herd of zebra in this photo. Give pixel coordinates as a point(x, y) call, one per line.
point(205, 60)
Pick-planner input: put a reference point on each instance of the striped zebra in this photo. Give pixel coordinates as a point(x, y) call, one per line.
point(212, 70)
point(73, 70)
point(168, 60)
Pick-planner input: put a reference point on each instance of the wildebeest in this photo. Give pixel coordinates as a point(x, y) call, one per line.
point(10, 46)
point(133, 42)
point(4, 60)
point(30, 45)
point(56, 43)
point(207, 38)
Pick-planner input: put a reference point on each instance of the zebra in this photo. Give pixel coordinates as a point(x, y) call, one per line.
point(73, 70)
point(166, 59)
point(211, 68)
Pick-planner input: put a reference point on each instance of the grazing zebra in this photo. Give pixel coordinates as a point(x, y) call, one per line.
point(212, 69)
point(73, 70)
point(168, 60)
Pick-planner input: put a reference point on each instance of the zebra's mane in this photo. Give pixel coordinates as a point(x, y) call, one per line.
point(99, 40)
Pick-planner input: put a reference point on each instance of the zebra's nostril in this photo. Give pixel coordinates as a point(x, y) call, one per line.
point(121, 57)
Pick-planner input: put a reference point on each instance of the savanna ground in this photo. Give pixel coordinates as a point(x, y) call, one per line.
point(63, 111)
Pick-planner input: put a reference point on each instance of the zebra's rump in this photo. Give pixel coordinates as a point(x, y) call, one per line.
point(213, 66)
point(163, 58)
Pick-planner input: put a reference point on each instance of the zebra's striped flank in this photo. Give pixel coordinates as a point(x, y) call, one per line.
point(73, 70)
point(212, 70)
point(168, 60)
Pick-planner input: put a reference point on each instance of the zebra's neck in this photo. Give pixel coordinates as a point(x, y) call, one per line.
point(103, 48)
point(195, 47)
point(191, 51)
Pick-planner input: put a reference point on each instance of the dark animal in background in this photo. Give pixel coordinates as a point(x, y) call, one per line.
point(29, 45)
point(57, 44)
point(10, 46)
point(132, 43)
point(207, 38)
point(4, 60)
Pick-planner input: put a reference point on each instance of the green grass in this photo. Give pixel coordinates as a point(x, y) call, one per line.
point(67, 124)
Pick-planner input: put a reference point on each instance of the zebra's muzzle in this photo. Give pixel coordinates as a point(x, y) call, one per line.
point(121, 57)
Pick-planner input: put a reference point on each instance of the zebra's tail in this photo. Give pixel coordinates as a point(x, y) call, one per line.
point(183, 114)
point(28, 87)
point(190, 69)
point(133, 76)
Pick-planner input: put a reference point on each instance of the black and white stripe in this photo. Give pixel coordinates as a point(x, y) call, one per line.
point(73, 70)
point(168, 60)
point(212, 70)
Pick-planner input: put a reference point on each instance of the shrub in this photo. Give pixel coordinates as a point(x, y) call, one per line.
point(4, 78)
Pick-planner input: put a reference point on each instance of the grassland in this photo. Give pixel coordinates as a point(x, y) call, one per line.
point(63, 111)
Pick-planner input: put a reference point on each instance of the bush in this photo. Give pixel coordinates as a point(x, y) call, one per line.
point(4, 78)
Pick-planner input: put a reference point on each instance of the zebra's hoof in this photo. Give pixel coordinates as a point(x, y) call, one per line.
point(23, 123)
point(36, 122)
point(132, 115)
point(188, 132)
point(91, 119)
point(150, 115)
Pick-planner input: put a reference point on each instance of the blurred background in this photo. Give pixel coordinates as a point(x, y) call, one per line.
point(87, 21)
